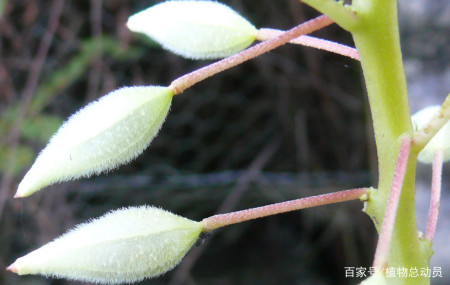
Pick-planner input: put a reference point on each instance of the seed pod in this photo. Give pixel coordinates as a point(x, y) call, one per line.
point(440, 141)
point(123, 246)
point(195, 29)
point(104, 134)
point(378, 278)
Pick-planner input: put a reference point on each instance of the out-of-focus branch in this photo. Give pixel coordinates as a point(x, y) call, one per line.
point(27, 93)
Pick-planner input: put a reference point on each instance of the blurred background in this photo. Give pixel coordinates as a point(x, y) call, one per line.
point(289, 124)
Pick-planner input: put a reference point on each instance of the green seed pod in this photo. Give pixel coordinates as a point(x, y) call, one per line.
point(123, 246)
point(440, 141)
point(195, 29)
point(104, 134)
point(378, 278)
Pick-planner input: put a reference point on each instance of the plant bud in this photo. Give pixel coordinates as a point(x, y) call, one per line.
point(195, 29)
point(123, 246)
point(440, 141)
point(104, 134)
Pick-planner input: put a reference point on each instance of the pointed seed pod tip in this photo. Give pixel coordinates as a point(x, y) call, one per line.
point(101, 136)
point(124, 246)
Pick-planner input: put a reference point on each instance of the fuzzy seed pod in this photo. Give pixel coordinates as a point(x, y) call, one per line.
point(440, 141)
point(378, 278)
point(195, 29)
point(104, 134)
point(123, 246)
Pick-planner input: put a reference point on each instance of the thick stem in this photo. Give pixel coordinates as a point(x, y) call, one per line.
point(435, 194)
point(188, 80)
point(377, 39)
point(384, 240)
point(265, 34)
point(222, 220)
point(374, 28)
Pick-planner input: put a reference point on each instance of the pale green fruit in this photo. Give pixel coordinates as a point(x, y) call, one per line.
point(123, 246)
point(104, 134)
point(440, 141)
point(195, 29)
point(378, 278)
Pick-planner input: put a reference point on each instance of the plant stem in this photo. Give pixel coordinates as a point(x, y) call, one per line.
point(188, 80)
point(340, 13)
point(425, 134)
point(265, 34)
point(376, 36)
point(384, 240)
point(222, 220)
point(435, 194)
point(377, 40)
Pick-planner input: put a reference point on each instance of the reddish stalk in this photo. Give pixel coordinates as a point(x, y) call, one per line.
point(433, 213)
point(188, 80)
point(222, 220)
point(265, 34)
point(387, 228)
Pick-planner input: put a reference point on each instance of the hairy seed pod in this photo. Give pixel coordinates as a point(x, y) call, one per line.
point(123, 246)
point(195, 29)
point(440, 141)
point(104, 134)
point(378, 278)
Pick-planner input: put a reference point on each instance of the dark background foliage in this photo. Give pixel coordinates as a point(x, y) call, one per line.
point(289, 124)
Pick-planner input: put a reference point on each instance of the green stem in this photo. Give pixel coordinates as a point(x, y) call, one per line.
point(377, 41)
point(337, 11)
point(376, 37)
point(427, 132)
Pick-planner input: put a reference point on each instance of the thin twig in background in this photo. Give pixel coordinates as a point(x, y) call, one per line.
point(228, 205)
point(96, 31)
point(27, 94)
